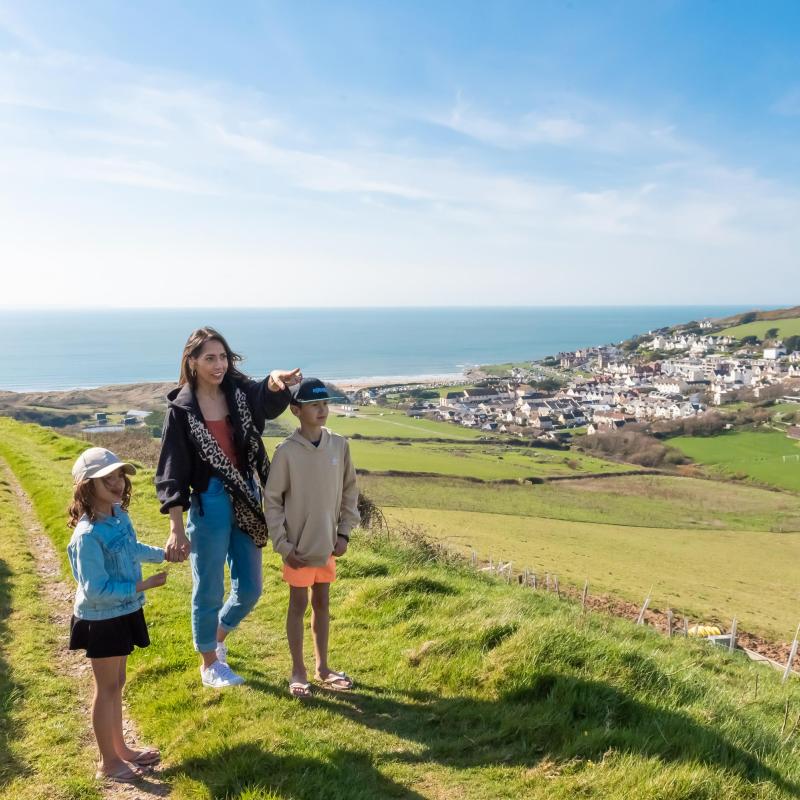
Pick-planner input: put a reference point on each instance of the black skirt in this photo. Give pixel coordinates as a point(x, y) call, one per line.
point(106, 638)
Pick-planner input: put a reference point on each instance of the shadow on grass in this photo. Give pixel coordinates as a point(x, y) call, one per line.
point(232, 770)
point(11, 693)
point(556, 717)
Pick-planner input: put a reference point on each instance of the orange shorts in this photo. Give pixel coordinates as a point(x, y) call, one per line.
point(308, 576)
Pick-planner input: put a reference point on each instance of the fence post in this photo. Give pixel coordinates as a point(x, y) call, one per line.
point(534, 581)
point(558, 593)
point(732, 645)
point(792, 654)
point(640, 618)
point(669, 623)
point(583, 597)
point(685, 626)
point(547, 581)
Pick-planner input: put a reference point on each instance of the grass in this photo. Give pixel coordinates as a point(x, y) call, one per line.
point(503, 370)
point(468, 688)
point(657, 501)
point(486, 462)
point(43, 753)
point(397, 424)
point(383, 422)
point(710, 574)
point(786, 327)
point(754, 455)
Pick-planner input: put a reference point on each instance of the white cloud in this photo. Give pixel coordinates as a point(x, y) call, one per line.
point(367, 206)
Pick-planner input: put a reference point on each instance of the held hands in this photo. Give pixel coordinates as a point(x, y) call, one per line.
point(281, 379)
point(340, 548)
point(177, 547)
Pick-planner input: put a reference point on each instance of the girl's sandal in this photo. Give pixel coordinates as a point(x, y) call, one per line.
point(336, 681)
point(147, 758)
point(300, 690)
point(123, 775)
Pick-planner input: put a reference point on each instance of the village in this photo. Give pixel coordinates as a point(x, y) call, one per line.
point(663, 375)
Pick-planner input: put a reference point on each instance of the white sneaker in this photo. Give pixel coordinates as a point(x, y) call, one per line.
point(222, 652)
point(220, 675)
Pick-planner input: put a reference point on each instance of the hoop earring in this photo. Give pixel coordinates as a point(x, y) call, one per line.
point(194, 373)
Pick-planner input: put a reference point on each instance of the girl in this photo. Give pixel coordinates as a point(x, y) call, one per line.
point(214, 464)
point(108, 620)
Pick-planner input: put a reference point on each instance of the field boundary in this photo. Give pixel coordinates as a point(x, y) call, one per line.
point(535, 479)
point(773, 653)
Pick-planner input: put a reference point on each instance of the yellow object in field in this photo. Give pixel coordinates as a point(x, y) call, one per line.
point(704, 630)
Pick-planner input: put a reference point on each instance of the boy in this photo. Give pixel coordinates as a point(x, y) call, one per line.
point(311, 503)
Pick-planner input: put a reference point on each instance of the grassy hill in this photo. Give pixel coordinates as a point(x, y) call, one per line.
point(467, 688)
point(786, 327)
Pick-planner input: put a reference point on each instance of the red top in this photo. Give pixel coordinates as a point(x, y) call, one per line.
point(222, 431)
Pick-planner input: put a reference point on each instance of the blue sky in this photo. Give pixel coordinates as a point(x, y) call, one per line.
point(377, 153)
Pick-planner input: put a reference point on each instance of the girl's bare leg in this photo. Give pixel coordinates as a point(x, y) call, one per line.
point(107, 713)
point(320, 626)
point(120, 745)
point(298, 602)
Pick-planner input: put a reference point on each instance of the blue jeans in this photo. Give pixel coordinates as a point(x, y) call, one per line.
point(215, 539)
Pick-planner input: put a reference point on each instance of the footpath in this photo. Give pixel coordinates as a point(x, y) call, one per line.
point(30, 683)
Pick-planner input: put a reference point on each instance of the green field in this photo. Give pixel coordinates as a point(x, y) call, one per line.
point(397, 424)
point(383, 422)
point(467, 688)
point(484, 461)
point(757, 455)
point(656, 501)
point(706, 574)
point(786, 327)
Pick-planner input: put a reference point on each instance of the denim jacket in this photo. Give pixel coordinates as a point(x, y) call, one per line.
point(106, 562)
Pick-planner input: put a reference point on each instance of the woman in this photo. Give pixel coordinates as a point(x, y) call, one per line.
point(214, 464)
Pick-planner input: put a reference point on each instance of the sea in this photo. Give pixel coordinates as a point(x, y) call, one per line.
point(54, 349)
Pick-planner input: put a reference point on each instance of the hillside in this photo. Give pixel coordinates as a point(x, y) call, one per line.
point(467, 687)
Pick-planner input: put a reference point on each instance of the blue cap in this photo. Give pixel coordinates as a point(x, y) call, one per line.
point(310, 390)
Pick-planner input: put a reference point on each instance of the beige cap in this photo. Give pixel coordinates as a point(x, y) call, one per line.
point(97, 462)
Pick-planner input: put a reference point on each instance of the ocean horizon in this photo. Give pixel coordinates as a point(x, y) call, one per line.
point(83, 348)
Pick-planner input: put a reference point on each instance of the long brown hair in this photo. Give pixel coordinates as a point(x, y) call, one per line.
point(192, 350)
point(83, 501)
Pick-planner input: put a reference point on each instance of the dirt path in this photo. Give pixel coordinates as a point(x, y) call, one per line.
point(59, 596)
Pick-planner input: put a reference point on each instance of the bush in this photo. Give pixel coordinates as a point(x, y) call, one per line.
point(750, 316)
point(709, 424)
point(632, 446)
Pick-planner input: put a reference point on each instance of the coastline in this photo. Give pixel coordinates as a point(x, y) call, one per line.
point(152, 393)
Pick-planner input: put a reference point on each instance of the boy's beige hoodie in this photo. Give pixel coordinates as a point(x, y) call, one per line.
point(311, 496)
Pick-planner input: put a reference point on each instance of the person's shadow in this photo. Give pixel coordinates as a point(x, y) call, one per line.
point(232, 770)
point(555, 717)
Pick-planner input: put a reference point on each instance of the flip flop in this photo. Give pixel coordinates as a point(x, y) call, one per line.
point(125, 775)
point(147, 758)
point(336, 682)
point(299, 689)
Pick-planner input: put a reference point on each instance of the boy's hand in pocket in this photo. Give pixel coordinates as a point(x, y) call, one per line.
point(294, 561)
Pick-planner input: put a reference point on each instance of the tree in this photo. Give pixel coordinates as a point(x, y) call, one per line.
point(749, 340)
point(772, 333)
point(748, 317)
point(791, 343)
